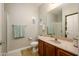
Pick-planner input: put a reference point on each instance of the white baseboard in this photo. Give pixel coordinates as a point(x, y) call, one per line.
point(17, 50)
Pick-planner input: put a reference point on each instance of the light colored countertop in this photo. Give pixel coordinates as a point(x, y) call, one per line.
point(66, 45)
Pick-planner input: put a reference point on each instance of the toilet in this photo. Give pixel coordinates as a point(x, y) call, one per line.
point(34, 45)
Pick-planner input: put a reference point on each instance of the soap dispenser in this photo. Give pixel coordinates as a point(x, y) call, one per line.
point(75, 41)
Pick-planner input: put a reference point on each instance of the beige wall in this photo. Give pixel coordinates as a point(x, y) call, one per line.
point(21, 14)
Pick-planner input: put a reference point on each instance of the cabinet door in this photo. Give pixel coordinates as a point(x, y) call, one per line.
point(61, 52)
point(40, 47)
point(50, 50)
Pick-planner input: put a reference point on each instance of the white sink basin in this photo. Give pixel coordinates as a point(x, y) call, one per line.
point(55, 41)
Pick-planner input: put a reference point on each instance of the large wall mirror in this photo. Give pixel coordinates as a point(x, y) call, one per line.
point(71, 25)
point(54, 22)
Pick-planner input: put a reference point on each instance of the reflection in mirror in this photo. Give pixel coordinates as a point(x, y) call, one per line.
point(71, 25)
point(54, 22)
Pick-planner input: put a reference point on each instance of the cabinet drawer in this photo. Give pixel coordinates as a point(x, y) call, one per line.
point(61, 52)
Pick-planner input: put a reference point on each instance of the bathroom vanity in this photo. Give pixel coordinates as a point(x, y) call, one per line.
point(47, 46)
point(60, 21)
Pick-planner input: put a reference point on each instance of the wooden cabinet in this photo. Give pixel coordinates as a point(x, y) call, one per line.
point(50, 50)
point(46, 49)
point(61, 52)
point(40, 48)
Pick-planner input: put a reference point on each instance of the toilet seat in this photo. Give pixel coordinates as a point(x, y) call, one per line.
point(34, 44)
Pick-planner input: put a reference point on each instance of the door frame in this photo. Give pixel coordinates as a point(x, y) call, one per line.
point(4, 36)
point(66, 21)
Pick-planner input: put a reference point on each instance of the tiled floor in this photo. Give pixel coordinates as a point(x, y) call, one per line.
point(28, 52)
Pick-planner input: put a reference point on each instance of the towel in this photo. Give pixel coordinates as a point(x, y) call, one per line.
point(18, 31)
